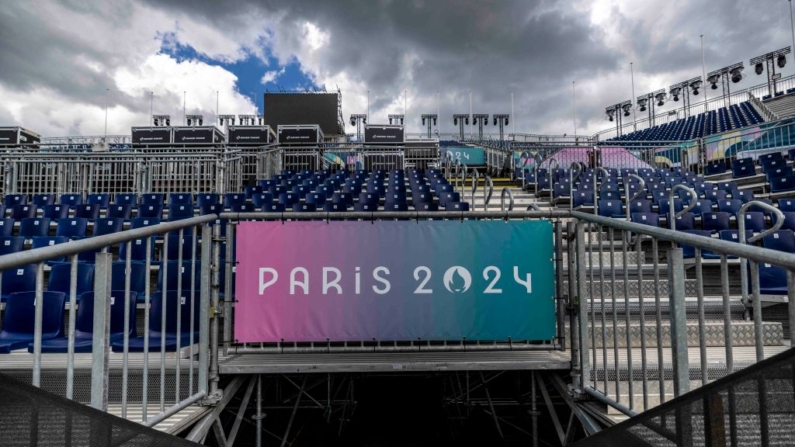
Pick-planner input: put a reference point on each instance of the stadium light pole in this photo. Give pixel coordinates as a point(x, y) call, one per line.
point(513, 126)
point(470, 114)
point(151, 107)
point(461, 119)
point(770, 60)
point(184, 107)
point(481, 119)
point(634, 115)
point(574, 107)
point(614, 113)
point(357, 120)
point(722, 76)
point(646, 102)
point(429, 121)
point(683, 89)
point(792, 23)
point(704, 72)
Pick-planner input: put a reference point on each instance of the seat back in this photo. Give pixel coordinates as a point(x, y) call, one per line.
point(19, 212)
point(103, 200)
point(20, 314)
point(6, 227)
point(180, 198)
point(88, 211)
point(153, 199)
point(11, 244)
point(137, 276)
point(126, 199)
point(73, 227)
point(151, 210)
point(71, 200)
point(120, 211)
point(781, 240)
point(19, 279)
point(60, 278)
point(34, 226)
point(84, 323)
point(175, 302)
point(171, 272)
point(55, 212)
point(180, 211)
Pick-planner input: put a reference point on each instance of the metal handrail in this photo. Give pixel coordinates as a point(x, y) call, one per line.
point(579, 166)
point(502, 199)
point(674, 214)
point(487, 195)
point(595, 193)
point(475, 181)
point(756, 254)
point(779, 222)
point(641, 190)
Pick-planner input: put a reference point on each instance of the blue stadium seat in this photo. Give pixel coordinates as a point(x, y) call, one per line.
point(180, 211)
point(781, 240)
point(789, 220)
point(19, 319)
point(689, 252)
point(34, 226)
point(19, 212)
point(19, 279)
point(176, 246)
point(261, 199)
point(315, 198)
point(330, 207)
point(73, 227)
point(60, 278)
point(173, 273)
point(72, 200)
point(11, 244)
point(11, 200)
point(47, 241)
point(172, 339)
point(652, 219)
point(231, 199)
point(120, 211)
point(204, 198)
point(153, 199)
point(743, 195)
point(137, 277)
point(730, 206)
point(702, 206)
point(107, 225)
point(243, 208)
point(273, 208)
point(84, 324)
point(755, 221)
point(782, 184)
point(610, 208)
point(685, 222)
point(150, 210)
point(180, 198)
point(288, 199)
point(55, 212)
point(446, 197)
point(369, 198)
point(783, 171)
point(6, 227)
point(452, 206)
point(103, 200)
point(426, 206)
point(715, 221)
point(342, 197)
point(403, 206)
point(742, 170)
point(786, 204)
point(727, 186)
point(714, 168)
point(665, 209)
point(304, 207)
point(715, 195)
point(772, 279)
point(41, 200)
point(640, 206)
point(126, 199)
point(87, 211)
point(582, 198)
point(364, 206)
point(211, 208)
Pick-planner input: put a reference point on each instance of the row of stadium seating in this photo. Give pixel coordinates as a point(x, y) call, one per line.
point(708, 123)
point(19, 315)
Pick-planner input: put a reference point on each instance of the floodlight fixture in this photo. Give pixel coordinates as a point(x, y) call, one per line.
point(460, 120)
point(161, 120)
point(660, 97)
point(429, 120)
point(194, 120)
point(397, 118)
point(759, 68)
point(781, 61)
point(696, 84)
point(736, 74)
point(358, 119)
point(674, 92)
point(683, 90)
point(610, 111)
point(228, 119)
point(771, 60)
point(642, 104)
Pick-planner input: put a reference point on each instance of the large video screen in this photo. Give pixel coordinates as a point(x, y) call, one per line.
point(302, 108)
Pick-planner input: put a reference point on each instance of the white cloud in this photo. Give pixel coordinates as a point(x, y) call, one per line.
point(271, 76)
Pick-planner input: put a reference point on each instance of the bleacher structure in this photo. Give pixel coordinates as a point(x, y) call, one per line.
point(674, 258)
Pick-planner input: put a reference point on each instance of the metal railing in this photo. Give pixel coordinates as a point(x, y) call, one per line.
point(193, 237)
point(632, 363)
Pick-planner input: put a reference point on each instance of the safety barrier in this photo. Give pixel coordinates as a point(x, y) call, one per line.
point(111, 296)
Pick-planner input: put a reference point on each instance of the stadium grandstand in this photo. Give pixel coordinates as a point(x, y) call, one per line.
point(220, 282)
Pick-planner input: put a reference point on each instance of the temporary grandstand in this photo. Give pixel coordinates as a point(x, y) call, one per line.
point(624, 282)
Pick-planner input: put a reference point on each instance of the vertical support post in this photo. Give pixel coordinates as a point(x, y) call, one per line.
point(101, 338)
point(714, 425)
point(259, 411)
point(534, 407)
point(581, 303)
point(561, 305)
point(216, 279)
point(204, 309)
point(229, 265)
point(676, 281)
point(573, 323)
point(38, 324)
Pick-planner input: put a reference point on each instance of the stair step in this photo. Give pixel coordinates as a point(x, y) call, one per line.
point(742, 334)
point(648, 287)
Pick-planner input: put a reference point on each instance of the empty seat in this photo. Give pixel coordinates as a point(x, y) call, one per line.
point(685, 222)
point(84, 324)
point(73, 227)
point(288, 199)
point(206, 199)
point(330, 207)
point(60, 278)
point(176, 246)
point(772, 279)
point(689, 252)
point(107, 225)
point(180, 211)
point(103, 200)
point(273, 208)
point(652, 219)
point(610, 208)
point(640, 206)
point(126, 199)
point(789, 220)
point(426, 206)
point(20, 315)
point(87, 211)
point(211, 208)
point(47, 241)
point(233, 199)
point(665, 209)
point(120, 211)
point(782, 184)
point(450, 206)
point(41, 200)
point(365, 207)
point(150, 210)
point(153, 199)
point(137, 277)
point(11, 200)
point(180, 198)
point(730, 206)
point(19, 212)
point(6, 227)
point(55, 212)
point(71, 200)
point(781, 240)
point(243, 208)
point(34, 226)
point(304, 207)
point(715, 221)
point(742, 170)
point(174, 337)
point(11, 244)
point(701, 207)
point(755, 221)
point(171, 273)
point(743, 195)
point(261, 199)
point(786, 204)
point(19, 279)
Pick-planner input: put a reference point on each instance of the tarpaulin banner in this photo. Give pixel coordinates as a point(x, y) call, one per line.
point(470, 156)
point(394, 280)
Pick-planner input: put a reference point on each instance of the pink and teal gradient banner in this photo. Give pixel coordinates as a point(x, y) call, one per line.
point(394, 280)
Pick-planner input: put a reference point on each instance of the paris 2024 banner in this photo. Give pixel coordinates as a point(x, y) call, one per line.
point(394, 280)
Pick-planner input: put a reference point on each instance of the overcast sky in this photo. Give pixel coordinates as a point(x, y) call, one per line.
point(63, 62)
